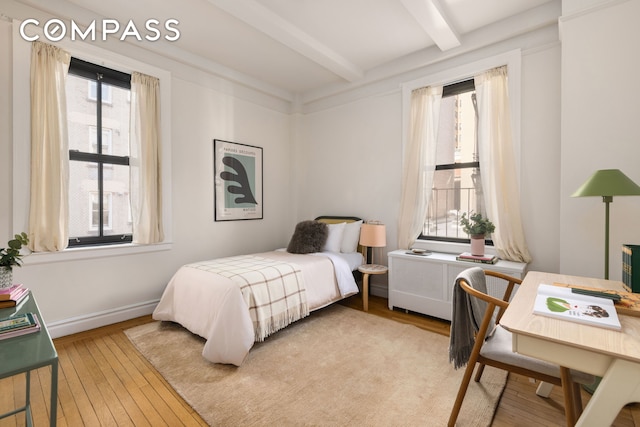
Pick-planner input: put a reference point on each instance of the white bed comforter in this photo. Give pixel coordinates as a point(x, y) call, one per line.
point(213, 306)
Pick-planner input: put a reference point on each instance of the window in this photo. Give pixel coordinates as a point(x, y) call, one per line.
point(98, 127)
point(456, 181)
point(106, 141)
point(101, 211)
point(22, 159)
point(93, 92)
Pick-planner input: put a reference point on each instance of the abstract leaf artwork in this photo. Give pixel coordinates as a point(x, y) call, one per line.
point(237, 181)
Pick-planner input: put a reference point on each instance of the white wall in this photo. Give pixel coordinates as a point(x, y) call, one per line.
point(348, 159)
point(600, 116)
point(540, 156)
point(89, 292)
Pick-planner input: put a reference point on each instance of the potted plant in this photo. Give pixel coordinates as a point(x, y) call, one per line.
point(10, 257)
point(477, 227)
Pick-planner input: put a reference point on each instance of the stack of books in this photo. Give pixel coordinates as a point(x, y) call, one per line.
point(485, 259)
point(11, 296)
point(19, 324)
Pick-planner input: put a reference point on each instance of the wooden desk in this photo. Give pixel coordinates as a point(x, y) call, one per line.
point(28, 352)
point(612, 355)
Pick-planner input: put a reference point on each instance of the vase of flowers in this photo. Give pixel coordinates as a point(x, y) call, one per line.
point(477, 227)
point(11, 257)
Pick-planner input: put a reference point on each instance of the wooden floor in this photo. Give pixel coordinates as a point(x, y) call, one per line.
point(103, 381)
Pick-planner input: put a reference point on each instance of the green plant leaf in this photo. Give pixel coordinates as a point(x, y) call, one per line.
point(557, 305)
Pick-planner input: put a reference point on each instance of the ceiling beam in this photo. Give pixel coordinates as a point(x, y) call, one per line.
point(283, 31)
point(433, 21)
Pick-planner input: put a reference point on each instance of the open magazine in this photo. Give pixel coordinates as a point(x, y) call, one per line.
point(562, 303)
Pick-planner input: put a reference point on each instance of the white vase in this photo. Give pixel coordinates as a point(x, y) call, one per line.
point(477, 245)
point(6, 277)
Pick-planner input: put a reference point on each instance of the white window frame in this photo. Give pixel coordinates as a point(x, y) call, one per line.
point(513, 61)
point(22, 137)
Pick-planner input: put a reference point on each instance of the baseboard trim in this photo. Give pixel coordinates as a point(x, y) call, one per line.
point(74, 325)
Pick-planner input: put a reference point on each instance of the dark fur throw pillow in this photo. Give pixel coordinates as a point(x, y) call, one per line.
point(308, 237)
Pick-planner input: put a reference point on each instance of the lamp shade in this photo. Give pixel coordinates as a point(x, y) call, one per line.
point(608, 182)
point(373, 235)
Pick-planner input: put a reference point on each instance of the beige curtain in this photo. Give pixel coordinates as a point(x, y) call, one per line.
point(499, 179)
point(145, 160)
point(49, 205)
point(419, 163)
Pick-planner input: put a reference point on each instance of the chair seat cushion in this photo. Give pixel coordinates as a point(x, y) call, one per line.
point(499, 347)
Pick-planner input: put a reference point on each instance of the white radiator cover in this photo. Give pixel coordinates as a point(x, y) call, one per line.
point(424, 284)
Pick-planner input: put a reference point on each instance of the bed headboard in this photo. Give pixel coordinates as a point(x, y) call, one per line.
point(329, 219)
point(336, 219)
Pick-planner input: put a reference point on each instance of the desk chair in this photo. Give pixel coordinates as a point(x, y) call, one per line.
point(474, 314)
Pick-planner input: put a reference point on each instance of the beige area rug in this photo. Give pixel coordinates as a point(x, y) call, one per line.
point(337, 367)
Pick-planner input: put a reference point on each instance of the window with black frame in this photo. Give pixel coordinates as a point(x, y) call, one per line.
point(98, 114)
point(457, 187)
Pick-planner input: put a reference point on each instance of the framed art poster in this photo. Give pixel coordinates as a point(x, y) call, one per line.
point(237, 181)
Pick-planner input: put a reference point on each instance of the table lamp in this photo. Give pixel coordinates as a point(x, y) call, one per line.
point(607, 183)
point(373, 235)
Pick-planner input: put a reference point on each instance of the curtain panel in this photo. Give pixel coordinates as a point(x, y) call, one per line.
point(145, 160)
point(499, 179)
point(419, 163)
point(49, 210)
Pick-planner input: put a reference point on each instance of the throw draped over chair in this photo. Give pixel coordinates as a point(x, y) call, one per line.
point(477, 338)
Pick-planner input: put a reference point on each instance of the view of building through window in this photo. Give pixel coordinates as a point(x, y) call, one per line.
point(456, 182)
point(99, 150)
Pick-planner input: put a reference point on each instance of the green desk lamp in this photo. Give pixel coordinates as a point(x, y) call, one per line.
point(607, 183)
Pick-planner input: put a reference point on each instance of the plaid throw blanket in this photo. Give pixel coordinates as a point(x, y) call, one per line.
point(274, 291)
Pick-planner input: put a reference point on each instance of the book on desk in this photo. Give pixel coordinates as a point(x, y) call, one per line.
point(565, 304)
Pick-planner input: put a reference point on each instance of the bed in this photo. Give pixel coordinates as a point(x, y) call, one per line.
point(236, 301)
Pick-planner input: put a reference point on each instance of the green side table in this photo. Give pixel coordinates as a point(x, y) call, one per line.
point(24, 353)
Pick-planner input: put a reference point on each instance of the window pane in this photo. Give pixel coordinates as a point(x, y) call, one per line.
point(116, 183)
point(457, 130)
point(81, 115)
point(454, 192)
point(83, 121)
point(92, 91)
point(81, 188)
point(84, 210)
point(115, 121)
point(107, 138)
point(95, 210)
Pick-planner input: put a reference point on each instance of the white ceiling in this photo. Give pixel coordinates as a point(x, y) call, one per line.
point(296, 49)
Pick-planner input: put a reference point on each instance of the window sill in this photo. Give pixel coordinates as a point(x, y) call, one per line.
point(75, 254)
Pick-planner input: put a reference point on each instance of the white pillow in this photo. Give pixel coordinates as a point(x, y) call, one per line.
point(334, 240)
point(350, 237)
